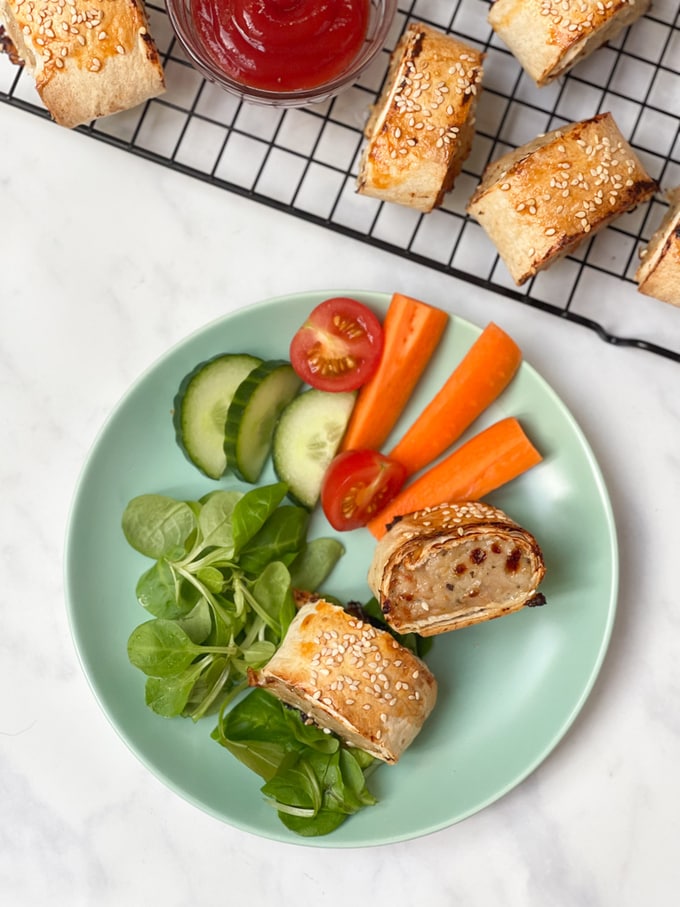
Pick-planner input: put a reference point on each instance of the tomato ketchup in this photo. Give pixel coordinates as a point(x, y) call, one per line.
point(282, 45)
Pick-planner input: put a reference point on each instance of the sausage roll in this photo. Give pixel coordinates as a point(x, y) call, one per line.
point(548, 37)
point(659, 271)
point(542, 200)
point(421, 129)
point(88, 59)
point(454, 565)
point(352, 678)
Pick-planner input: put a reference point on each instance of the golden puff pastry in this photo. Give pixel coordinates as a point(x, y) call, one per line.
point(352, 678)
point(421, 129)
point(549, 37)
point(542, 200)
point(455, 565)
point(88, 60)
point(659, 272)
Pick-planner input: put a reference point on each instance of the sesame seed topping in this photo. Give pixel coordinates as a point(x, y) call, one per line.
point(423, 87)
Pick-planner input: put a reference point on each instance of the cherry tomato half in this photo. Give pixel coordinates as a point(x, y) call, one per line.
point(357, 484)
point(339, 346)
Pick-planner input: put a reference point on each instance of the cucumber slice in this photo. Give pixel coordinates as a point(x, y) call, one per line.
point(253, 414)
point(306, 440)
point(202, 409)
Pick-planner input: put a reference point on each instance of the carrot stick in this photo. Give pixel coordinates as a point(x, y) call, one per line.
point(481, 376)
point(412, 331)
point(488, 460)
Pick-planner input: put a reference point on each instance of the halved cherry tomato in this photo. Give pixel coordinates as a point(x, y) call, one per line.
point(339, 346)
point(358, 484)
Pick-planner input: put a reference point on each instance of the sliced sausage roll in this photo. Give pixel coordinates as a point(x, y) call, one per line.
point(88, 59)
point(544, 199)
point(659, 271)
point(421, 129)
point(454, 565)
point(548, 37)
point(351, 678)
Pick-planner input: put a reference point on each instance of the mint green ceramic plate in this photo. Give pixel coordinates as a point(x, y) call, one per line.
point(509, 689)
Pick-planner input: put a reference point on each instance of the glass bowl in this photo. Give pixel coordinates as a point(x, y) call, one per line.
point(381, 15)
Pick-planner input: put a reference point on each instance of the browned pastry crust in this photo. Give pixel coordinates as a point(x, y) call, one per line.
point(549, 37)
point(454, 565)
point(659, 272)
point(89, 59)
point(352, 678)
point(6, 47)
point(542, 200)
point(421, 129)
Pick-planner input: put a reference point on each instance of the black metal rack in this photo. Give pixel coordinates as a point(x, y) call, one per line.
point(304, 161)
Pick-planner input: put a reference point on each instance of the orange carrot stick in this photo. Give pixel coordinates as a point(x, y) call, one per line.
point(481, 376)
point(488, 460)
point(412, 331)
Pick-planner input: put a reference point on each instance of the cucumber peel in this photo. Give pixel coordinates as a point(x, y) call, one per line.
point(201, 409)
point(253, 414)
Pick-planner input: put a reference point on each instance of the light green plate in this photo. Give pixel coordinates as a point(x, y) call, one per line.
point(508, 690)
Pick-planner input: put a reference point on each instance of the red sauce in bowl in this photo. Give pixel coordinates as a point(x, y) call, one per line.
point(282, 45)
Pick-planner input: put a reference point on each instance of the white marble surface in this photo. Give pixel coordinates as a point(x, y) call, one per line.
point(107, 260)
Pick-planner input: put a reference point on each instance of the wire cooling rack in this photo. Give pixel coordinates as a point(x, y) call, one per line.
point(305, 161)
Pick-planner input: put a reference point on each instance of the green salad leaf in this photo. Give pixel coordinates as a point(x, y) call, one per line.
point(220, 599)
point(312, 779)
point(158, 526)
point(220, 592)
